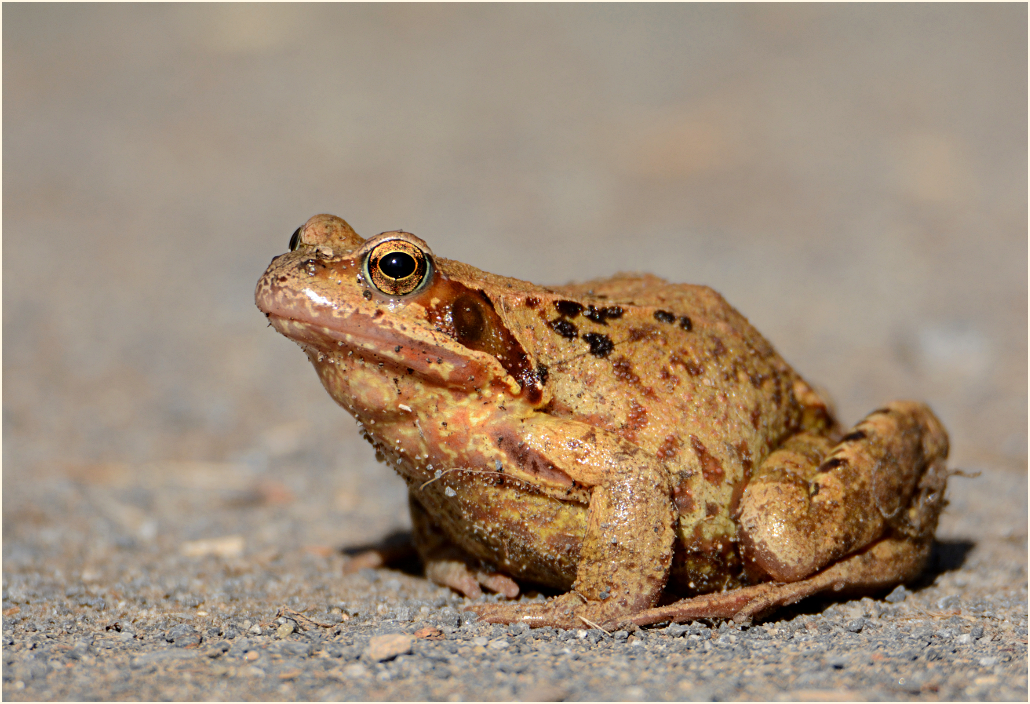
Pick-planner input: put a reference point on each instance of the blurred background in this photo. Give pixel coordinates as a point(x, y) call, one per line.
point(853, 178)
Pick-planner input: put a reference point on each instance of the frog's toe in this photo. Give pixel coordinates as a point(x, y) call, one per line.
point(454, 574)
point(458, 576)
point(566, 611)
point(557, 613)
point(499, 583)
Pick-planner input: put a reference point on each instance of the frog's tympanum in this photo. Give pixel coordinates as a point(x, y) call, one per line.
point(633, 443)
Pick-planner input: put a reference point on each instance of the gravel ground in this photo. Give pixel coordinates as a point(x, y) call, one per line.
point(178, 487)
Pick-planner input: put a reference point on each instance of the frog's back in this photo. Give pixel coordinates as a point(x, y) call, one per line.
point(681, 360)
point(679, 372)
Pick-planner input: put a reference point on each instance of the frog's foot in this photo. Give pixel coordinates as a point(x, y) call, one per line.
point(457, 575)
point(569, 610)
point(884, 564)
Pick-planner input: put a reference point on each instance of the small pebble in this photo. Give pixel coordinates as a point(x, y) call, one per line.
point(355, 671)
point(519, 628)
point(677, 629)
point(898, 595)
point(284, 630)
point(390, 646)
point(429, 633)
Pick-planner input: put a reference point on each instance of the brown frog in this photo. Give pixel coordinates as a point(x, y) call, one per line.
point(631, 442)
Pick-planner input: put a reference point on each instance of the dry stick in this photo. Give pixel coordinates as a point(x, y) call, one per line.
point(302, 619)
point(590, 623)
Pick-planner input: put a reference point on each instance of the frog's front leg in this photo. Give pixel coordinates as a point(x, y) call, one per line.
point(627, 550)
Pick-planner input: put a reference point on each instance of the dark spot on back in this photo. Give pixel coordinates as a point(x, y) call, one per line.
point(600, 345)
point(692, 367)
point(852, 437)
point(711, 509)
point(686, 324)
point(635, 420)
point(624, 371)
point(756, 415)
point(833, 463)
point(564, 328)
point(711, 467)
point(644, 332)
point(669, 448)
point(664, 316)
point(532, 302)
point(568, 309)
point(718, 349)
point(603, 315)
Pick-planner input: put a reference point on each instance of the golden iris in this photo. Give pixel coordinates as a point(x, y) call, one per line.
point(396, 267)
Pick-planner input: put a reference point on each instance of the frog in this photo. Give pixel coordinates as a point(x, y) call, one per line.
point(634, 446)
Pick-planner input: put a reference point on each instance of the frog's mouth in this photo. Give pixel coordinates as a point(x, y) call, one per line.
point(360, 334)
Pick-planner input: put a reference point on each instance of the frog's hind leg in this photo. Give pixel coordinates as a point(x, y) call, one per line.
point(882, 565)
point(884, 479)
point(448, 565)
point(864, 514)
point(893, 464)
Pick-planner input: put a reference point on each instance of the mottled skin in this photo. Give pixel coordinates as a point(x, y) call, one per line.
point(621, 439)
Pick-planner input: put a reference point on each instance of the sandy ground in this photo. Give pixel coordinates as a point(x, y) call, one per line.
point(852, 178)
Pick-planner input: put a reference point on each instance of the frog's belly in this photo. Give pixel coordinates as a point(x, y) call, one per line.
point(525, 534)
point(537, 538)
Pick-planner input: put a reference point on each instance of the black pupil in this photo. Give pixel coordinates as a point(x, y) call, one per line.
point(397, 265)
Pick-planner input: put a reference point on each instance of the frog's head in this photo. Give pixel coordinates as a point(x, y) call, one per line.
point(390, 301)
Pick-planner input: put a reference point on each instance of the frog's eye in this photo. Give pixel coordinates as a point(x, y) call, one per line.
point(295, 240)
point(396, 267)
